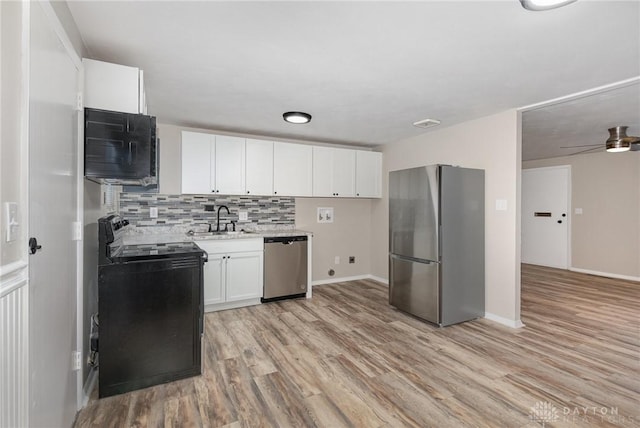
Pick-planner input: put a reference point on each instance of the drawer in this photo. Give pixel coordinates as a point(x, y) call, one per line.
point(231, 245)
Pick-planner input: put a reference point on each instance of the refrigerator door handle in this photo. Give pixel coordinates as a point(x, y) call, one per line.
point(414, 259)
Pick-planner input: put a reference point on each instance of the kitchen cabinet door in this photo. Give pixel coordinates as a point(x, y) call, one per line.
point(197, 153)
point(334, 172)
point(323, 171)
point(214, 279)
point(259, 167)
point(230, 165)
point(344, 173)
point(292, 169)
point(244, 276)
point(368, 174)
point(113, 87)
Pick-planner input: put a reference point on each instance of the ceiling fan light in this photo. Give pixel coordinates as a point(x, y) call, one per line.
point(297, 117)
point(618, 140)
point(538, 5)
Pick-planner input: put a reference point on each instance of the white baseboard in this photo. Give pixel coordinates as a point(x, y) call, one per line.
point(503, 321)
point(89, 384)
point(605, 274)
point(379, 279)
point(349, 278)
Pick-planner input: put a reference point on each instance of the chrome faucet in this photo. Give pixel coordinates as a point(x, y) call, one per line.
point(219, 208)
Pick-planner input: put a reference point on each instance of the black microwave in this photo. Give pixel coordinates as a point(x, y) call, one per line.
point(120, 148)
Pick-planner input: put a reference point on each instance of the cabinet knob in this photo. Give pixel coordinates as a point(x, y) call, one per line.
point(217, 191)
point(357, 194)
point(275, 193)
point(247, 192)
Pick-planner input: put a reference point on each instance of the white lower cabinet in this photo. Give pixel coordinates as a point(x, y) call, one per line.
point(233, 276)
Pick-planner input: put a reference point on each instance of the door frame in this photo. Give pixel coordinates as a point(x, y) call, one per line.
point(569, 263)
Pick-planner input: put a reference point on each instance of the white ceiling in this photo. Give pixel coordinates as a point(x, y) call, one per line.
point(580, 122)
point(365, 70)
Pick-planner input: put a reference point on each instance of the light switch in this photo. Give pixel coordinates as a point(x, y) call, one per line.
point(153, 212)
point(12, 226)
point(578, 211)
point(325, 215)
point(501, 204)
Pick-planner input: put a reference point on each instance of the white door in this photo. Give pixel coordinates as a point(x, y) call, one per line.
point(368, 174)
point(323, 171)
point(53, 124)
point(259, 167)
point(344, 172)
point(230, 165)
point(214, 278)
point(244, 276)
point(545, 216)
point(197, 149)
point(292, 169)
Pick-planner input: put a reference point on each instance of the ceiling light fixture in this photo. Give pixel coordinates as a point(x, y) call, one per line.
point(618, 140)
point(426, 123)
point(538, 5)
point(296, 117)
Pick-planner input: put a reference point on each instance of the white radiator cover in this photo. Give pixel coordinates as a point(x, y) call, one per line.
point(14, 358)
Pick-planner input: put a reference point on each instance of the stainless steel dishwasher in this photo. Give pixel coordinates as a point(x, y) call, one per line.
point(285, 267)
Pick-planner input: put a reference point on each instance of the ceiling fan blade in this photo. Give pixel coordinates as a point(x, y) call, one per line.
point(587, 150)
point(585, 145)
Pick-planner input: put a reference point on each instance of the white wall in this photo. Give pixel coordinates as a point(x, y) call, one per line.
point(348, 235)
point(11, 159)
point(606, 237)
point(491, 143)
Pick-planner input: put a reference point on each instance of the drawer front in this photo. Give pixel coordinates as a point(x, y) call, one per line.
point(237, 245)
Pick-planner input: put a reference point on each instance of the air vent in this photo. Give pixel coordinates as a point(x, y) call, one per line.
point(426, 123)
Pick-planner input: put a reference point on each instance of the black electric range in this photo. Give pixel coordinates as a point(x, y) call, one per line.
point(150, 302)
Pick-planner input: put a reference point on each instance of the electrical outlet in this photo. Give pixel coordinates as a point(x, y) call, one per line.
point(352, 259)
point(337, 260)
point(12, 225)
point(243, 216)
point(153, 212)
point(76, 360)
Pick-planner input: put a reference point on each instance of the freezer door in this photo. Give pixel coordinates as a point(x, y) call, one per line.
point(413, 213)
point(413, 287)
point(462, 244)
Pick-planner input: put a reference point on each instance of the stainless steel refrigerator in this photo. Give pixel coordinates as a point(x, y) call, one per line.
point(436, 243)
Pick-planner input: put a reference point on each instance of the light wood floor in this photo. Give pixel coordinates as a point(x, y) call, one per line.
point(346, 358)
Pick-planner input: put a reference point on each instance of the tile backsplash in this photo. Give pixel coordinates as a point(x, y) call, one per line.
point(189, 210)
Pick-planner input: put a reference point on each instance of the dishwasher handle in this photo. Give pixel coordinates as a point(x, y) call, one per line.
point(285, 240)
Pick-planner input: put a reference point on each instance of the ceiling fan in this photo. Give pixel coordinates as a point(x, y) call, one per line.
point(618, 142)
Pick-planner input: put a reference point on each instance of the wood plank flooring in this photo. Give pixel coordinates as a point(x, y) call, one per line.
point(346, 358)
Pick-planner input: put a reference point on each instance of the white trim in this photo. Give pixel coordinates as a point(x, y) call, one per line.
point(59, 30)
point(349, 278)
point(581, 94)
point(606, 274)
point(379, 279)
point(504, 321)
point(231, 305)
point(14, 276)
point(89, 385)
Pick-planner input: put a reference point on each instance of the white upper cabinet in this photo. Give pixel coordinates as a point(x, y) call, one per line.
point(368, 174)
point(334, 172)
point(292, 169)
point(198, 170)
point(229, 165)
point(113, 87)
point(259, 167)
